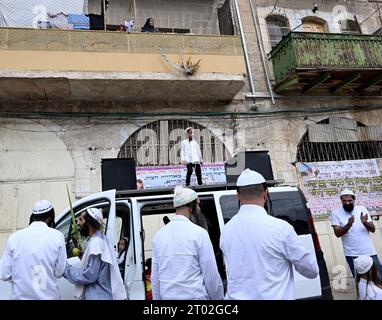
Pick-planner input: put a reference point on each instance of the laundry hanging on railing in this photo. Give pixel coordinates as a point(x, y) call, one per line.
point(79, 21)
point(35, 13)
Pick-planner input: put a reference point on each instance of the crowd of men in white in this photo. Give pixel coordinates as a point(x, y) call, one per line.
point(259, 250)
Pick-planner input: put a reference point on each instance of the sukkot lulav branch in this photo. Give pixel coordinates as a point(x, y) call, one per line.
point(75, 229)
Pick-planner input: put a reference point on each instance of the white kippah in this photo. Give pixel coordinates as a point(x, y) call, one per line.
point(249, 177)
point(182, 196)
point(42, 206)
point(96, 214)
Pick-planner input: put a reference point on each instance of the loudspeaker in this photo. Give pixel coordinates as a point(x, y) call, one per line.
point(118, 174)
point(255, 160)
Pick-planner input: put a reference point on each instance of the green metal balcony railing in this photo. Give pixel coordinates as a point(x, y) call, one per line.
point(304, 51)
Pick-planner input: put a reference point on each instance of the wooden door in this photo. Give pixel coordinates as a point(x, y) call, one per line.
point(310, 26)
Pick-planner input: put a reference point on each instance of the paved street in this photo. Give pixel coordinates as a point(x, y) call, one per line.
point(345, 294)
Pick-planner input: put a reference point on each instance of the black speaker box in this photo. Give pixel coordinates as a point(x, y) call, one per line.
point(118, 174)
point(255, 160)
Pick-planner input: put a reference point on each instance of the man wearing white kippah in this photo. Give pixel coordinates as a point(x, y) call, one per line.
point(353, 224)
point(183, 260)
point(259, 249)
point(99, 277)
point(35, 257)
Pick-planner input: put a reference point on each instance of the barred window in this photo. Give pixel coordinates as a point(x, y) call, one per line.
point(158, 143)
point(339, 139)
point(278, 27)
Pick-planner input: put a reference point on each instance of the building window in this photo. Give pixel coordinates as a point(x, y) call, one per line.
point(278, 27)
point(339, 139)
point(158, 143)
point(314, 24)
point(349, 26)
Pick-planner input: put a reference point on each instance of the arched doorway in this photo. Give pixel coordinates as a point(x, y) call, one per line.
point(314, 24)
point(158, 143)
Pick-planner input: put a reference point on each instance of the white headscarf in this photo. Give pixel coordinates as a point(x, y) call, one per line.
point(98, 244)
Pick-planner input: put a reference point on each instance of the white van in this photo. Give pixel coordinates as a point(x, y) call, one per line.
point(137, 215)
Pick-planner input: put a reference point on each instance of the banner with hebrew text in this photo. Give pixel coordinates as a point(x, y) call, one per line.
point(172, 176)
point(322, 183)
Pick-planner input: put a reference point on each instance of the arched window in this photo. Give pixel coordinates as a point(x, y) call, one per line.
point(339, 139)
point(158, 143)
point(349, 26)
point(278, 27)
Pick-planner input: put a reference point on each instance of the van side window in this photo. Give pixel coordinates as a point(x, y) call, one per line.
point(290, 207)
point(229, 205)
point(285, 205)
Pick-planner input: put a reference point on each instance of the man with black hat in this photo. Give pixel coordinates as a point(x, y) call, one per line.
point(353, 224)
point(191, 156)
point(35, 257)
point(259, 249)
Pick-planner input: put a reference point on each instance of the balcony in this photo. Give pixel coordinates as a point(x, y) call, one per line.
point(322, 63)
point(72, 65)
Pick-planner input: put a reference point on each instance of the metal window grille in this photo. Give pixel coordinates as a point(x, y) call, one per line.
point(278, 27)
point(158, 143)
point(343, 144)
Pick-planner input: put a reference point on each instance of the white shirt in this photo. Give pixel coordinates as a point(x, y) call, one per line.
point(373, 292)
point(34, 258)
point(190, 151)
point(183, 263)
point(121, 259)
point(357, 240)
point(259, 251)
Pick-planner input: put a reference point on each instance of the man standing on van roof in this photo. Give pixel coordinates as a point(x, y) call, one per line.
point(191, 156)
point(99, 277)
point(35, 257)
point(183, 261)
point(259, 249)
point(353, 225)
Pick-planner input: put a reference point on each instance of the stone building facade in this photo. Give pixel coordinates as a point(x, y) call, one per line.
point(62, 111)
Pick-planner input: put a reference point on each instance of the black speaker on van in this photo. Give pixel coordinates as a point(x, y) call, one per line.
point(259, 161)
point(118, 174)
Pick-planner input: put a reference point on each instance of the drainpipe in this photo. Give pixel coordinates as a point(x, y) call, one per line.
point(260, 42)
point(249, 70)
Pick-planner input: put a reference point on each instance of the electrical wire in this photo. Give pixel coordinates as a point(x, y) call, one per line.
point(188, 115)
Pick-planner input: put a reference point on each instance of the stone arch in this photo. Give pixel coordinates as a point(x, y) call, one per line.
point(338, 139)
point(158, 143)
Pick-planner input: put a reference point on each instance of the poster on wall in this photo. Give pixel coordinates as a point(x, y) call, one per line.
point(172, 176)
point(322, 183)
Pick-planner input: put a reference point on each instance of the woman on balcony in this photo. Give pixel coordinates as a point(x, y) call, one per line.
point(149, 26)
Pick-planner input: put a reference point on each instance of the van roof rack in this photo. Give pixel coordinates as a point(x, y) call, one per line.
point(203, 188)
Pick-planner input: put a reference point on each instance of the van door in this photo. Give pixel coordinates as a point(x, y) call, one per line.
point(133, 271)
point(104, 200)
point(227, 206)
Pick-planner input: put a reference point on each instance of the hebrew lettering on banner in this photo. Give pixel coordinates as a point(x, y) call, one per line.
point(322, 183)
point(172, 176)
